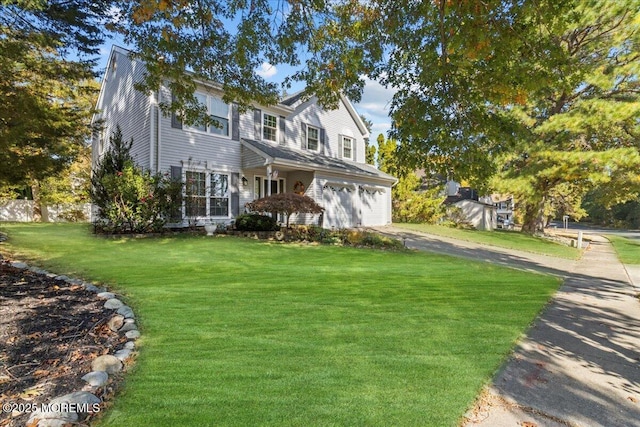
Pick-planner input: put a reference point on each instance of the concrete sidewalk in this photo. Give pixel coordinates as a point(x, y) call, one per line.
point(579, 364)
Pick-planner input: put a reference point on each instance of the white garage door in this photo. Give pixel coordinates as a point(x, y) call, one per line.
point(338, 206)
point(373, 205)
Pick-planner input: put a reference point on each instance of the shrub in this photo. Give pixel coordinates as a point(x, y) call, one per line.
point(286, 204)
point(129, 199)
point(256, 222)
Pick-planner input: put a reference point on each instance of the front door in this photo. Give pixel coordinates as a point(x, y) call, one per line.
point(261, 187)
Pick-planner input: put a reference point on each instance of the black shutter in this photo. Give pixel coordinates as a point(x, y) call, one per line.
point(235, 194)
point(321, 142)
point(257, 123)
point(175, 121)
point(283, 130)
point(176, 175)
point(303, 143)
point(235, 122)
point(353, 149)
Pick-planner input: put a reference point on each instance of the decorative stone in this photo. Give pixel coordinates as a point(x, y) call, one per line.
point(18, 264)
point(93, 288)
point(53, 419)
point(62, 277)
point(130, 320)
point(126, 311)
point(106, 295)
point(133, 334)
point(123, 354)
point(96, 378)
point(108, 363)
point(116, 322)
point(113, 304)
point(128, 327)
point(130, 345)
point(80, 399)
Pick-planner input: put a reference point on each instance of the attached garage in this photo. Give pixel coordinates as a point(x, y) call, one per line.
point(373, 205)
point(337, 200)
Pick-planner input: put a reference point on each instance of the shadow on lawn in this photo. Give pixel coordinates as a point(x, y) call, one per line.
point(580, 360)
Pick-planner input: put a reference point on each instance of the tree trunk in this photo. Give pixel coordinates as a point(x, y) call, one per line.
point(534, 218)
point(37, 201)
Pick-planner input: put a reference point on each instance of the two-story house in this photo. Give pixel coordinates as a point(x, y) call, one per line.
point(294, 146)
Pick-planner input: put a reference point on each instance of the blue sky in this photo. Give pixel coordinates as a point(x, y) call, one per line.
point(374, 104)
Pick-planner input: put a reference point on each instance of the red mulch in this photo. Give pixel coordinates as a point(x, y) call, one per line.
point(50, 332)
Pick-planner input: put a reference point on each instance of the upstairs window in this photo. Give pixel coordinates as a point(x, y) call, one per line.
point(347, 147)
point(269, 127)
point(313, 138)
point(218, 111)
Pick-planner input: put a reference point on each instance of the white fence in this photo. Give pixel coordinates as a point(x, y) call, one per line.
point(22, 211)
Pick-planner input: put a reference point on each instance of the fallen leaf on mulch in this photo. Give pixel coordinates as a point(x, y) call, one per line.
point(53, 331)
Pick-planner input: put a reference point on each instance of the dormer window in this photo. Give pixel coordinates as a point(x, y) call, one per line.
point(347, 147)
point(269, 127)
point(313, 138)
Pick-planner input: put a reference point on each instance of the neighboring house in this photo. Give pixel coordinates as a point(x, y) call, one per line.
point(479, 211)
point(504, 206)
point(294, 146)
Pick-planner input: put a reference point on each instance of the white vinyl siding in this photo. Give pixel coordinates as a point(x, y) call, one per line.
point(120, 104)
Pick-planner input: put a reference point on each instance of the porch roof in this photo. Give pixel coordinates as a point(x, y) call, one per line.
point(284, 156)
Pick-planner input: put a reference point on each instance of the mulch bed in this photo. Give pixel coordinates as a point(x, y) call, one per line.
point(50, 332)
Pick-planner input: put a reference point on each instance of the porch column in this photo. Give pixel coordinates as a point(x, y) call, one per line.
point(269, 172)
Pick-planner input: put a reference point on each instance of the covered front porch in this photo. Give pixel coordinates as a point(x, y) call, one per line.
point(352, 194)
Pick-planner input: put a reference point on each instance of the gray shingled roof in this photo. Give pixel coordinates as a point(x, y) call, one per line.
point(316, 160)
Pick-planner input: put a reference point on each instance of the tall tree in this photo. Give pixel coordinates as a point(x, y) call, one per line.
point(581, 130)
point(543, 92)
point(44, 116)
point(411, 203)
point(227, 41)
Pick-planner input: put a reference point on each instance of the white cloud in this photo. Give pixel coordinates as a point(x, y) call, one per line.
point(374, 106)
point(266, 70)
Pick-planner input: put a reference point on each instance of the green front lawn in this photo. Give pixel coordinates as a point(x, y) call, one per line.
point(239, 332)
point(500, 238)
point(628, 249)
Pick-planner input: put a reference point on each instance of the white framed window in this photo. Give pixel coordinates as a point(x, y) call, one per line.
point(195, 200)
point(347, 147)
point(206, 194)
point(217, 110)
point(219, 195)
point(313, 138)
point(269, 127)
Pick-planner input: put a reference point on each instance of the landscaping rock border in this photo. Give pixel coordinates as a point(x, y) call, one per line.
point(76, 406)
